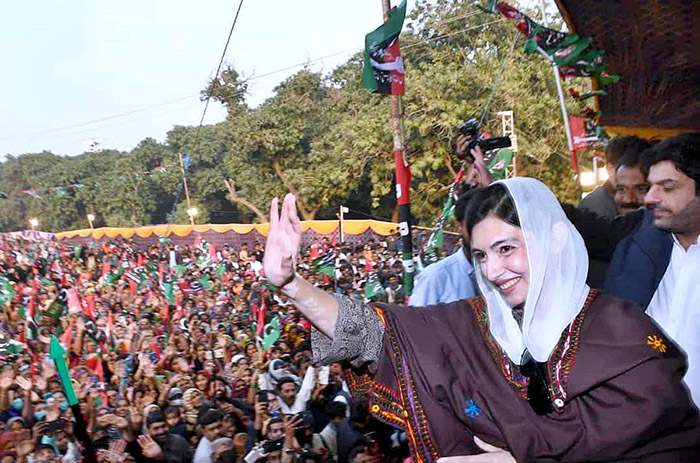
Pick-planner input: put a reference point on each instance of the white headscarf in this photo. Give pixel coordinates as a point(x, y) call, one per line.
point(558, 264)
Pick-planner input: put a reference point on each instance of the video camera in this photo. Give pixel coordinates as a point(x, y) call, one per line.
point(471, 129)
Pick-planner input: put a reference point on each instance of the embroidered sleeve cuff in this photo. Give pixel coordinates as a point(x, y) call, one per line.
point(357, 338)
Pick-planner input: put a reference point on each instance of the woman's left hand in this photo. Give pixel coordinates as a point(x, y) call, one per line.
point(492, 455)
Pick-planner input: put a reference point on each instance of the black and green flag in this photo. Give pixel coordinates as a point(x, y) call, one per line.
point(383, 69)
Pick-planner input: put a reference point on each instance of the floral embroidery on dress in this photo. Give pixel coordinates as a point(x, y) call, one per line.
point(656, 343)
point(472, 410)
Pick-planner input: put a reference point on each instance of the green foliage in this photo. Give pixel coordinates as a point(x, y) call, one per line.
point(324, 138)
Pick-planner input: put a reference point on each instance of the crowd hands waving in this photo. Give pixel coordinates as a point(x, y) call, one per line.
point(192, 381)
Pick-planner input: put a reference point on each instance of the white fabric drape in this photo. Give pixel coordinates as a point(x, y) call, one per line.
point(558, 264)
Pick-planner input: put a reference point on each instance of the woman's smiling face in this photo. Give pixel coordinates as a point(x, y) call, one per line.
point(500, 249)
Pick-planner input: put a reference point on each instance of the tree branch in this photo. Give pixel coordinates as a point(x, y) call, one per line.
point(300, 202)
point(234, 198)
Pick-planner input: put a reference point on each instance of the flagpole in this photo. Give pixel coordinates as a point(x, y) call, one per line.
point(403, 180)
point(562, 104)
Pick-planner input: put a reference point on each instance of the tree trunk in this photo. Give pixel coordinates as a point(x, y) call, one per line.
point(306, 215)
point(234, 198)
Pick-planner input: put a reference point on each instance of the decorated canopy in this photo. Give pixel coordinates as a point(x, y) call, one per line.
point(653, 46)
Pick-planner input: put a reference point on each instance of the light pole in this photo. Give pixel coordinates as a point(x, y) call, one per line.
point(91, 219)
point(34, 222)
point(192, 212)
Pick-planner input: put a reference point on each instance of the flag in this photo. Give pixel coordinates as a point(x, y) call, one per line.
point(74, 304)
point(7, 291)
point(212, 253)
point(383, 69)
point(138, 275)
point(190, 287)
point(205, 283)
point(568, 51)
point(89, 307)
point(373, 287)
point(221, 269)
point(32, 193)
point(105, 269)
point(325, 264)
point(262, 312)
point(500, 162)
point(197, 240)
point(180, 270)
point(168, 290)
point(77, 250)
point(204, 261)
point(60, 192)
point(272, 333)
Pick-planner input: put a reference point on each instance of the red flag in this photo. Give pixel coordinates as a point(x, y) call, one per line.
point(161, 271)
point(315, 251)
point(197, 240)
point(212, 253)
point(74, 305)
point(139, 261)
point(262, 311)
point(55, 267)
point(132, 287)
point(89, 307)
point(95, 364)
point(179, 313)
point(105, 269)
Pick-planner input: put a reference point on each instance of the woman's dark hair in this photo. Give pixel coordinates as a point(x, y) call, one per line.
point(683, 150)
point(493, 200)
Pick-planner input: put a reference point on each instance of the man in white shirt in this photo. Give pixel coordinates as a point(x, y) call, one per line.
point(292, 402)
point(658, 266)
point(210, 424)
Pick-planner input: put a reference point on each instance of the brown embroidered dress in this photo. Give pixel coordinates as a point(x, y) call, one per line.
point(436, 372)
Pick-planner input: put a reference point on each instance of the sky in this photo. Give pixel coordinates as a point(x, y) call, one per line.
point(118, 72)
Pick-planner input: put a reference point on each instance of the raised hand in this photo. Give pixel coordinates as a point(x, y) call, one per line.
point(478, 174)
point(7, 379)
point(150, 448)
point(283, 241)
point(24, 383)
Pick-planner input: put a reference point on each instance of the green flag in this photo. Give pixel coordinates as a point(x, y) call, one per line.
point(373, 287)
point(325, 264)
point(500, 162)
point(272, 334)
point(7, 291)
point(60, 192)
point(168, 290)
point(221, 269)
point(206, 284)
point(180, 270)
point(383, 68)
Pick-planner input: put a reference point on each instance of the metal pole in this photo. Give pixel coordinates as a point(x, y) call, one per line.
point(403, 181)
point(187, 191)
point(343, 210)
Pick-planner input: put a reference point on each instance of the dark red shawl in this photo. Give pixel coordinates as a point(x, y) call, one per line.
point(616, 380)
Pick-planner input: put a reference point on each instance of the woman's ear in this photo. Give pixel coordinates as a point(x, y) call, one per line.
point(560, 235)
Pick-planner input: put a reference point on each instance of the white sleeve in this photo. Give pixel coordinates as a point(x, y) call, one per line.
point(307, 387)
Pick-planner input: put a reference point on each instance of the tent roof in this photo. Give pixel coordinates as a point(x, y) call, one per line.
point(654, 46)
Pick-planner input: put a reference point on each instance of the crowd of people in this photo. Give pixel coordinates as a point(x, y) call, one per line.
point(205, 354)
point(178, 353)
